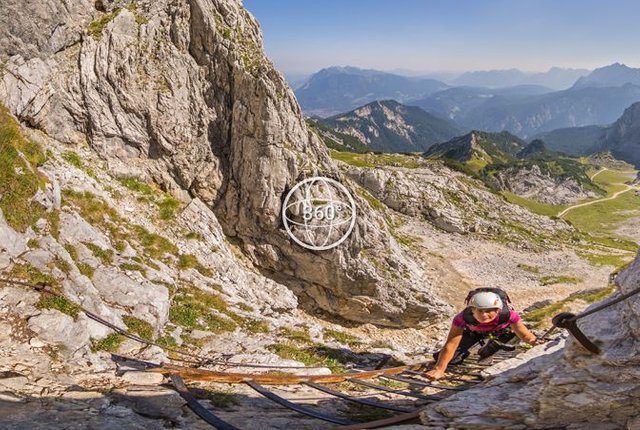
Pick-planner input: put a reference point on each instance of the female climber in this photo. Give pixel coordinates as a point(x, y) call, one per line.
point(487, 313)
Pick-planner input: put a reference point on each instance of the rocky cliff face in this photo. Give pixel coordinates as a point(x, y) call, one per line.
point(534, 184)
point(556, 384)
point(182, 95)
point(449, 200)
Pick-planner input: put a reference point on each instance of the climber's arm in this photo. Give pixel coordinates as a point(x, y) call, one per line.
point(524, 333)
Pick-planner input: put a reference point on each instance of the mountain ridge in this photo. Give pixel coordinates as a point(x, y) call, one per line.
point(339, 89)
point(390, 126)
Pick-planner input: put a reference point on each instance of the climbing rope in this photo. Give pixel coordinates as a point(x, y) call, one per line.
point(569, 321)
point(199, 359)
point(606, 305)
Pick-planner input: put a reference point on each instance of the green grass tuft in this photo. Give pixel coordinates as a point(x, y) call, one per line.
point(192, 308)
point(19, 179)
point(33, 275)
point(95, 27)
point(222, 400)
point(168, 207)
point(73, 158)
point(167, 342)
point(104, 255)
point(300, 335)
point(538, 315)
point(167, 204)
point(134, 267)
point(361, 413)
point(342, 337)
point(310, 356)
point(110, 343)
point(155, 246)
point(188, 261)
point(62, 265)
point(256, 326)
point(551, 280)
point(92, 209)
point(73, 252)
point(245, 307)
point(381, 344)
point(59, 303)
point(139, 327)
point(530, 269)
point(373, 202)
point(138, 186)
point(85, 269)
point(192, 235)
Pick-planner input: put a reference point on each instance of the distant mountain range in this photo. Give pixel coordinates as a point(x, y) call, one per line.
point(611, 76)
point(340, 89)
point(622, 138)
point(599, 97)
point(555, 78)
point(389, 126)
point(573, 140)
point(528, 114)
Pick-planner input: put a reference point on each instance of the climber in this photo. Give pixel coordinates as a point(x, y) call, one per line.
point(487, 314)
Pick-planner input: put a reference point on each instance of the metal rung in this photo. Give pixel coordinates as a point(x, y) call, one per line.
point(197, 408)
point(368, 402)
point(391, 390)
point(461, 372)
point(411, 372)
point(385, 422)
point(294, 406)
point(423, 384)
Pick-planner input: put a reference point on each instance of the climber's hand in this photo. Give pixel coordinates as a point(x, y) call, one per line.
point(434, 374)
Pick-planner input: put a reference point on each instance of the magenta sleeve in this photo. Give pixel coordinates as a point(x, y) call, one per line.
point(459, 321)
point(514, 317)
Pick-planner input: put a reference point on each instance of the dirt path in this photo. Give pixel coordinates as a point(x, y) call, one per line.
point(616, 194)
point(598, 172)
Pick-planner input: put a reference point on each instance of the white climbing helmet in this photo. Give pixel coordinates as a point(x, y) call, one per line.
point(485, 300)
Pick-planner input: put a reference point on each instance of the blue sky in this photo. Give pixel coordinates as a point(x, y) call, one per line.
point(302, 36)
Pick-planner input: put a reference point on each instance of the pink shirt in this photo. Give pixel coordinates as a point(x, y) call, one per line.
point(493, 325)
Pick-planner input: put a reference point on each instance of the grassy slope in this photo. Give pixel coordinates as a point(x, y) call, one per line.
point(596, 222)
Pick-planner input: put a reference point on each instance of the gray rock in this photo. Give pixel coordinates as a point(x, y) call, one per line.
point(143, 378)
point(148, 301)
point(12, 243)
point(224, 126)
point(153, 403)
point(54, 327)
point(533, 184)
point(10, 397)
point(74, 230)
point(16, 383)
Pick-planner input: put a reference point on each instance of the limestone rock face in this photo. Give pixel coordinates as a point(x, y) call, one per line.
point(181, 93)
point(562, 384)
point(534, 184)
point(448, 199)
